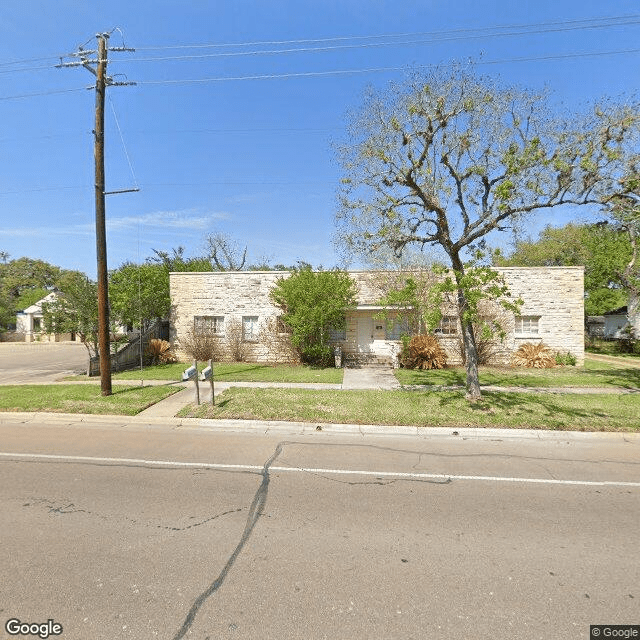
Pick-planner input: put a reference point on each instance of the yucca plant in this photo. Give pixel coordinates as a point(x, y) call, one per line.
point(538, 356)
point(160, 351)
point(424, 352)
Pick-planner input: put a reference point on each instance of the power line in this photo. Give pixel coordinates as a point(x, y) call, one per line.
point(212, 183)
point(41, 68)
point(335, 72)
point(370, 45)
point(44, 93)
point(29, 60)
point(339, 72)
point(586, 21)
point(44, 189)
point(124, 146)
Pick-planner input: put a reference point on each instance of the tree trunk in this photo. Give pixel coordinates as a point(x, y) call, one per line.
point(633, 311)
point(471, 362)
point(468, 339)
point(630, 281)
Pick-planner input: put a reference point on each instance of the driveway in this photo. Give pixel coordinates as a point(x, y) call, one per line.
point(35, 362)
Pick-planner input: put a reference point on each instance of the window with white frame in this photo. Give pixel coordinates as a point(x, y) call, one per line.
point(208, 324)
point(448, 326)
point(249, 328)
point(528, 325)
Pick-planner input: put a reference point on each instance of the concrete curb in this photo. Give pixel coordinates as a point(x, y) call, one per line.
point(309, 428)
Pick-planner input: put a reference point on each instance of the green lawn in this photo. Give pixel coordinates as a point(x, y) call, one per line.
point(609, 412)
point(73, 398)
point(608, 348)
point(593, 374)
point(239, 372)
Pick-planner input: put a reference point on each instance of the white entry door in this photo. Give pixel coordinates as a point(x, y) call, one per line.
point(365, 334)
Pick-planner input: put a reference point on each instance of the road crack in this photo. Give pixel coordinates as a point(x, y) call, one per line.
point(255, 511)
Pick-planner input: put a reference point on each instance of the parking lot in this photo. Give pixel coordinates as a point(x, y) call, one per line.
point(40, 362)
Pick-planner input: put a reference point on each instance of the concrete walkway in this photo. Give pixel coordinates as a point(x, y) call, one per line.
point(363, 378)
point(369, 378)
point(171, 405)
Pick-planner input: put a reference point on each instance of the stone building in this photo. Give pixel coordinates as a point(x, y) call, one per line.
point(238, 303)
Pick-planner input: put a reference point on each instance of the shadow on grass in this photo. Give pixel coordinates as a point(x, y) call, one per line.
point(512, 402)
point(438, 377)
point(623, 378)
point(120, 391)
point(231, 371)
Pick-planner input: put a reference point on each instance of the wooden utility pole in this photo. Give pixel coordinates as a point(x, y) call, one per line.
point(102, 82)
point(104, 342)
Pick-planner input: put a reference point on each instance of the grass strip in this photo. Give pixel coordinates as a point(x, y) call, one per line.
point(61, 398)
point(593, 374)
point(239, 372)
point(609, 412)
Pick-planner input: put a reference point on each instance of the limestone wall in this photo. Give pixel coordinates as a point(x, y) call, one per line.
point(229, 294)
point(556, 296)
point(553, 305)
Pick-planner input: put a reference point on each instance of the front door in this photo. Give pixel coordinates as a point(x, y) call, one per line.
point(365, 334)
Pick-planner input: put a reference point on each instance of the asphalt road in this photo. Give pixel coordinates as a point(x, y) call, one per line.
point(40, 362)
point(134, 531)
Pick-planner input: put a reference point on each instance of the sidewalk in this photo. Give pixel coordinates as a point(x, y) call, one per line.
point(168, 407)
point(373, 378)
point(354, 379)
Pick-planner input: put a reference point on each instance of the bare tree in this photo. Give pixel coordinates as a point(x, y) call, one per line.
point(201, 346)
point(226, 253)
point(447, 158)
point(236, 348)
point(276, 336)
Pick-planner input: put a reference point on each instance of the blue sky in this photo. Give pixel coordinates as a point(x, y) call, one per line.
point(249, 157)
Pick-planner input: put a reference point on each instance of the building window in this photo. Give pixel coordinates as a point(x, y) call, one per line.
point(336, 335)
point(528, 325)
point(37, 324)
point(448, 326)
point(209, 324)
point(399, 327)
point(249, 328)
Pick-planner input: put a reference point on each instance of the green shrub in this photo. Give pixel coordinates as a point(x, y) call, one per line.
point(313, 303)
point(566, 359)
point(628, 342)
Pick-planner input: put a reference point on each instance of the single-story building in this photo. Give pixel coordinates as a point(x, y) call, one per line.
point(595, 326)
point(552, 312)
point(29, 323)
point(614, 322)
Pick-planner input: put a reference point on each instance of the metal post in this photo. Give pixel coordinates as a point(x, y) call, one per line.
point(213, 389)
point(195, 364)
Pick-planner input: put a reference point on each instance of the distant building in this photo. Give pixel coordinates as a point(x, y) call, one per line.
point(614, 322)
point(30, 323)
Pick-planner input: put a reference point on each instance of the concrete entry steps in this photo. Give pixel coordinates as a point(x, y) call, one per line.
point(369, 377)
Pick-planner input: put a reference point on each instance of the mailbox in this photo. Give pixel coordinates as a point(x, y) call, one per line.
point(189, 374)
point(206, 373)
